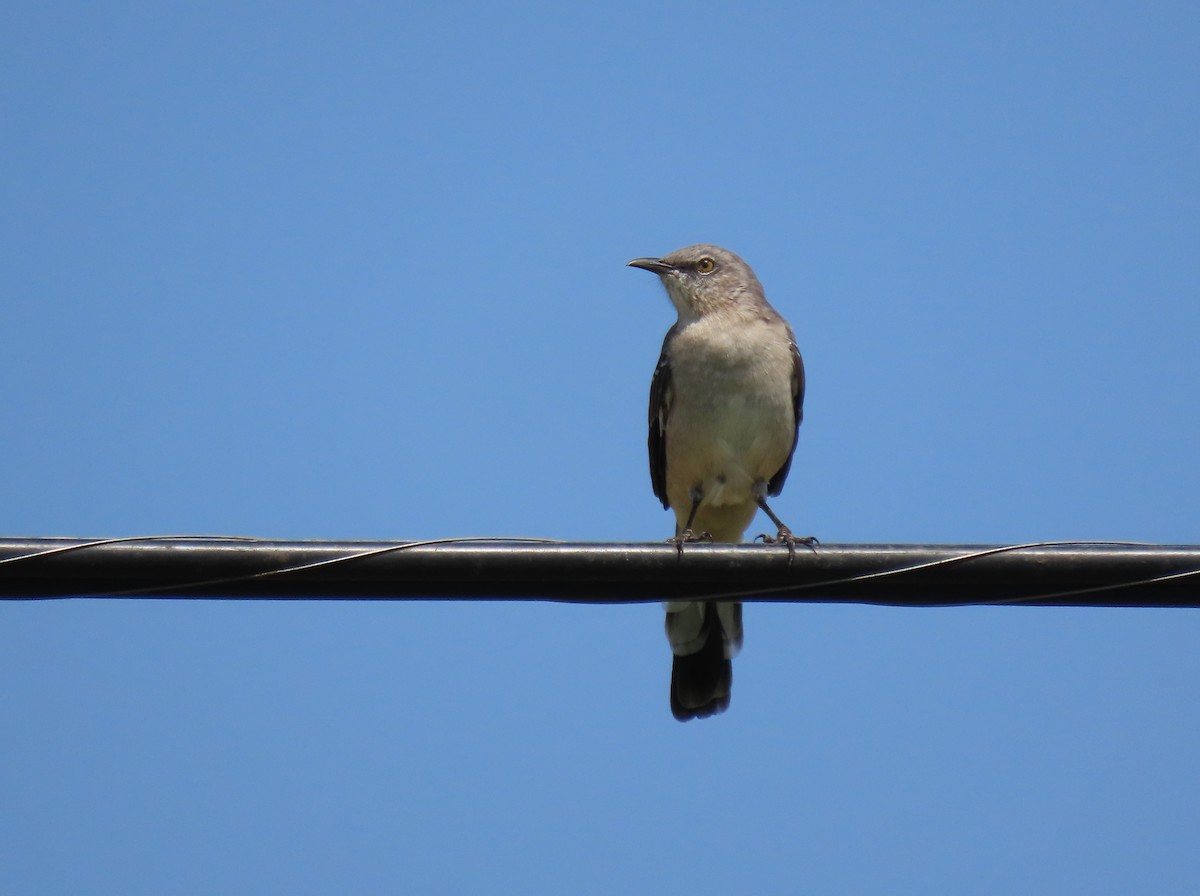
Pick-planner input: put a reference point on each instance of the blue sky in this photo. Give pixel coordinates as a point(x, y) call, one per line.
point(357, 271)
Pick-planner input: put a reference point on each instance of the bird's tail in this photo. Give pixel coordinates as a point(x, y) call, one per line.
point(704, 638)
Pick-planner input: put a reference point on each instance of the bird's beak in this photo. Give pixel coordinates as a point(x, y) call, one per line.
point(654, 265)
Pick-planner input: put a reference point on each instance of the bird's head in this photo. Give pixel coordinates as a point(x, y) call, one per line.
point(702, 279)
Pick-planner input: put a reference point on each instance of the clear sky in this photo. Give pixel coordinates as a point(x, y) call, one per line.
point(300, 270)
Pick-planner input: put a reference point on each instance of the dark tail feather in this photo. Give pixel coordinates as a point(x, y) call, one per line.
point(701, 682)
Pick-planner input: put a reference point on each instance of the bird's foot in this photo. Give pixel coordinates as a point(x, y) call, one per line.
point(785, 536)
point(687, 536)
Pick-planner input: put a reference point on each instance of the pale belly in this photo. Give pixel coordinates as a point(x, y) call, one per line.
point(731, 423)
point(724, 446)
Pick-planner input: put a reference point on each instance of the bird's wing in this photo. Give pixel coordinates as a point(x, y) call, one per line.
point(660, 406)
point(775, 486)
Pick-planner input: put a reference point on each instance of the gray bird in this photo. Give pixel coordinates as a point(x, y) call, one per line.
point(725, 407)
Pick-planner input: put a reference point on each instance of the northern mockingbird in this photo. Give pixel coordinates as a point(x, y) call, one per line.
point(725, 406)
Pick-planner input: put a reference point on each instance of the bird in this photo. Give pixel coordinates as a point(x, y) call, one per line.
point(726, 401)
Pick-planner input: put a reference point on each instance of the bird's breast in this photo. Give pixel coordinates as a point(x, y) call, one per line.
point(732, 420)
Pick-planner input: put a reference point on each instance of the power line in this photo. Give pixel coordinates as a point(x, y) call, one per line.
point(217, 567)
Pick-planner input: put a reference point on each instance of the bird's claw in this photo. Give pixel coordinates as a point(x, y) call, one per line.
point(785, 536)
point(687, 536)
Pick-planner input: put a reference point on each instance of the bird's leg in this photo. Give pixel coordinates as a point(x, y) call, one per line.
point(697, 496)
point(785, 534)
point(687, 534)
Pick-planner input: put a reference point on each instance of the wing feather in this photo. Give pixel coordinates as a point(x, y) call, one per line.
point(775, 486)
point(660, 407)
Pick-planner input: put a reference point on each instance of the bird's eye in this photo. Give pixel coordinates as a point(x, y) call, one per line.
point(705, 265)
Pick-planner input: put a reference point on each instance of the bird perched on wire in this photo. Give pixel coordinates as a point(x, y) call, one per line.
point(725, 406)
